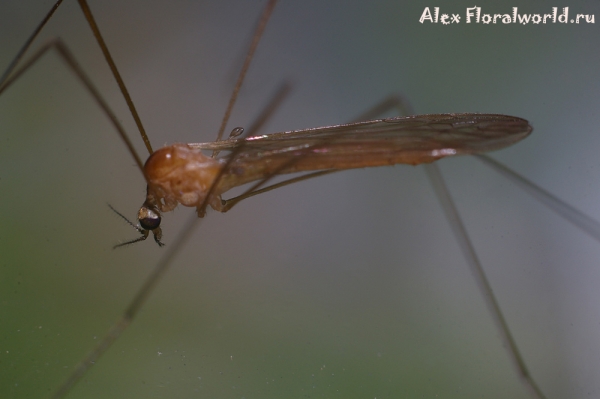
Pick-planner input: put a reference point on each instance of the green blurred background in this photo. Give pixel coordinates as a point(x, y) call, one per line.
point(347, 286)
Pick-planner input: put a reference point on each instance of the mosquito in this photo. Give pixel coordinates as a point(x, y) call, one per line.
point(307, 146)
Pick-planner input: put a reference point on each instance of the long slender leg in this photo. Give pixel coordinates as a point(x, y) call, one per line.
point(12, 73)
point(585, 222)
point(136, 304)
point(153, 279)
point(113, 68)
point(466, 246)
point(132, 309)
point(269, 110)
point(262, 23)
point(62, 50)
point(460, 233)
point(13, 64)
point(138, 301)
point(574, 216)
point(469, 254)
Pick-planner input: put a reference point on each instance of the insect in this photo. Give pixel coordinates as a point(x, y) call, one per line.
point(259, 313)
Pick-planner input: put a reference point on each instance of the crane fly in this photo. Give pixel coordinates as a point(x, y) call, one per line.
point(330, 358)
point(182, 174)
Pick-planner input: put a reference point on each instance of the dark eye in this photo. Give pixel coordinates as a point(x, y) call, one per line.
point(148, 218)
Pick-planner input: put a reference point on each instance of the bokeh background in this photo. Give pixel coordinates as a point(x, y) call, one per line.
point(350, 285)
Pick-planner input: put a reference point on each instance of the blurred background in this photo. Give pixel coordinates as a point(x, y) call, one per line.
point(351, 285)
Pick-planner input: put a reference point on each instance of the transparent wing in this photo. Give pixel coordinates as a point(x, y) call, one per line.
point(411, 140)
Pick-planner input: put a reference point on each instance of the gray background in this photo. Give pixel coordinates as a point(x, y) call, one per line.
point(346, 286)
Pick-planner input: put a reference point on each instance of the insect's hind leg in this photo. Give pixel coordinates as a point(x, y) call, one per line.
point(584, 222)
point(399, 103)
point(470, 255)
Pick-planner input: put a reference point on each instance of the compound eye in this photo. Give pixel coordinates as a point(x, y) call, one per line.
point(149, 219)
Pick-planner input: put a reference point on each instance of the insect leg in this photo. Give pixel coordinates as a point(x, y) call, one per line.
point(113, 68)
point(13, 64)
point(62, 50)
point(468, 251)
point(262, 23)
point(460, 233)
point(560, 207)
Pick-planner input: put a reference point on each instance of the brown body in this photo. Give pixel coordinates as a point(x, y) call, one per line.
point(181, 173)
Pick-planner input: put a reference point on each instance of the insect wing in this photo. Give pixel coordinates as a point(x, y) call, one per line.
point(412, 140)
